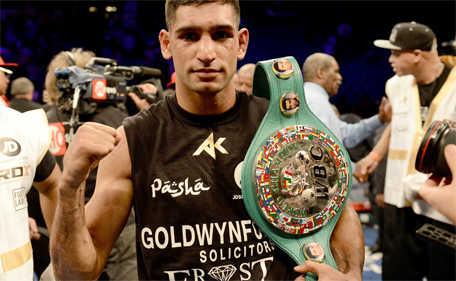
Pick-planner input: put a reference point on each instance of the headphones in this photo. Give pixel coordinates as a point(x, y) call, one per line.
point(70, 57)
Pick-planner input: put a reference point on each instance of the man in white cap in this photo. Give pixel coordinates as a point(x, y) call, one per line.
point(24, 160)
point(6, 69)
point(423, 90)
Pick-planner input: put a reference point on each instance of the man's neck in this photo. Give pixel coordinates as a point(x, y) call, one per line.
point(27, 97)
point(428, 72)
point(207, 104)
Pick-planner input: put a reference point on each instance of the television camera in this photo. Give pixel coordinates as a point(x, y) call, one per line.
point(100, 83)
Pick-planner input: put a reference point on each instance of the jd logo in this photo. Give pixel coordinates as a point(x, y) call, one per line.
point(209, 146)
point(9, 147)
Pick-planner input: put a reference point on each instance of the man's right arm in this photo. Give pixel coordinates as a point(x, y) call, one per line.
point(353, 134)
point(82, 236)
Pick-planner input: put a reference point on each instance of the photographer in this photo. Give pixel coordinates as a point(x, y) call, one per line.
point(121, 264)
point(442, 194)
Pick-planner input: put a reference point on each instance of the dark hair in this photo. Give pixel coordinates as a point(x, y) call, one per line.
point(276, 66)
point(284, 104)
point(172, 5)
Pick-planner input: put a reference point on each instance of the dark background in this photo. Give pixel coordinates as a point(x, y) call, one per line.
point(32, 32)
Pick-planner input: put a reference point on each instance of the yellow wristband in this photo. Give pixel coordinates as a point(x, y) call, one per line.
point(375, 156)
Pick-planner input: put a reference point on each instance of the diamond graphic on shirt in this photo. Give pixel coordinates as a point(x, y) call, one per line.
point(222, 273)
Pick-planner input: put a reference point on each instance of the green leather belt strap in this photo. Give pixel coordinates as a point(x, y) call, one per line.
point(296, 175)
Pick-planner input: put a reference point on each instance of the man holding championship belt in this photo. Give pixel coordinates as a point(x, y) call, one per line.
point(179, 164)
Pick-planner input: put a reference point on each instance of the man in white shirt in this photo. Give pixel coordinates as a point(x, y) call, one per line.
point(422, 90)
point(322, 80)
point(24, 160)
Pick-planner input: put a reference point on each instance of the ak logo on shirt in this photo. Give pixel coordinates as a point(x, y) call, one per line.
point(209, 146)
point(9, 147)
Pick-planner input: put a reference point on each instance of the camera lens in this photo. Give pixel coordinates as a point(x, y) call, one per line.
point(431, 157)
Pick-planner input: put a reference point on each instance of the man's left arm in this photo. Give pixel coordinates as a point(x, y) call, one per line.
point(347, 247)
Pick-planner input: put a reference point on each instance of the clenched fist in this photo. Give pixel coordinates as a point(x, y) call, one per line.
point(91, 143)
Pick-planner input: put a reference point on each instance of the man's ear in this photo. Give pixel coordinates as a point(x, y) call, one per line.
point(243, 43)
point(320, 73)
point(164, 44)
point(417, 55)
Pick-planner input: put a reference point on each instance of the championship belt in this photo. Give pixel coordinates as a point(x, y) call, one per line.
point(296, 175)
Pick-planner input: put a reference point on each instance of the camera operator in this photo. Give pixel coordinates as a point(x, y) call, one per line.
point(63, 59)
point(121, 264)
point(143, 103)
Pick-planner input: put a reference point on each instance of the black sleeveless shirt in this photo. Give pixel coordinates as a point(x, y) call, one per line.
point(191, 223)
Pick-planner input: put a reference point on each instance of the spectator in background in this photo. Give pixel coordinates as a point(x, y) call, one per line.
point(22, 90)
point(322, 80)
point(421, 79)
point(447, 52)
point(6, 69)
point(170, 86)
point(244, 80)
